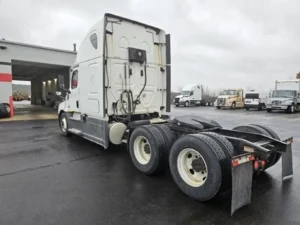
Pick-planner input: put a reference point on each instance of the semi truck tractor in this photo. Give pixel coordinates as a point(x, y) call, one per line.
point(230, 98)
point(193, 94)
point(120, 94)
point(286, 96)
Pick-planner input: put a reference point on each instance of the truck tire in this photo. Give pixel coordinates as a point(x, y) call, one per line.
point(4, 112)
point(215, 123)
point(186, 104)
point(218, 107)
point(223, 142)
point(197, 166)
point(63, 124)
point(168, 135)
point(273, 134)
point(261, 107)
point(291, 109)
point(269, 110)
point(228, 150)
point(247, 108)
point(146, 148)
point(251, 129)
point(257, 130)
point(233, 105)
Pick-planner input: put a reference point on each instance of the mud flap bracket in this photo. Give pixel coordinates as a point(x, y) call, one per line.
point(241, 185)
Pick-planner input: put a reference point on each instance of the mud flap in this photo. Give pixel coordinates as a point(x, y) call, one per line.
point(287, 162)
point(241, 185)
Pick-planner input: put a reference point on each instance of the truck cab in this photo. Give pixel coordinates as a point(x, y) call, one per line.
point(193, 94)
point(230, 98)
point(286, 96)
point(117, 79)
point(189, 95)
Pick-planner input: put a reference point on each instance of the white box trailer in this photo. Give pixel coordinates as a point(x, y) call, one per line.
point(193, 94)
point(286, 96)
point(120, 93)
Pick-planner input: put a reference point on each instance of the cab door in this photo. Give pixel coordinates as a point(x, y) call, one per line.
point(73, 96)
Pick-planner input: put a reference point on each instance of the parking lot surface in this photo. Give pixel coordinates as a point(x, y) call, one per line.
point(46, 178)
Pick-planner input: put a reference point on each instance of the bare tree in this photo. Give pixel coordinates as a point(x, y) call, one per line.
point(298, 75)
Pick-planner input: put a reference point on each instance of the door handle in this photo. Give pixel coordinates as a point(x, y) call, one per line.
point(77, 104)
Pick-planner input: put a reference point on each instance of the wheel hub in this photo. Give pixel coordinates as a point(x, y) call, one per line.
point(192, 167)
point(147, 148)
point(142, 150)
point(198, 165)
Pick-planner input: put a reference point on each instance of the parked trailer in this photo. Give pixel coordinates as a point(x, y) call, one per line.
point(120, 93)
point(193, 94)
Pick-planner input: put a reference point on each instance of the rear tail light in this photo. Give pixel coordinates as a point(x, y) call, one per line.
point(263, 163)
point(256, 165)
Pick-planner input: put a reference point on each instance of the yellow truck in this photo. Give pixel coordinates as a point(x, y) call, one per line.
point(17, 96)
point(230, 98)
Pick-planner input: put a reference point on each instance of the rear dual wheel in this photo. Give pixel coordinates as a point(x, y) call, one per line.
point(149, 148)
point(201, 165)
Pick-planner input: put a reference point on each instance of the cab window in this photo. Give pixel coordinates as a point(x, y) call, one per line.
point(74, 80)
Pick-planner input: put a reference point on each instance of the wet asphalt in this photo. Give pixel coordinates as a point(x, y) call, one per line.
point(46, 178)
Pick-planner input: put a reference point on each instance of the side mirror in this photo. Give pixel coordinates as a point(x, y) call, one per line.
point(61, 81)
point(58, 93)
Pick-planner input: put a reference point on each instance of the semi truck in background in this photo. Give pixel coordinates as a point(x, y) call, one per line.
point(193, 94)
point(120, 94)
point(286, 96)
point(231, 98)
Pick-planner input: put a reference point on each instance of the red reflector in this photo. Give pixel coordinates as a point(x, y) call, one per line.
point(263, 163)
point(251, 158)
point(255, 165)
point(235, 162)
point(74, 83)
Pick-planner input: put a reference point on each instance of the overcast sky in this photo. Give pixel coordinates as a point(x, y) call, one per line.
point(233, 43)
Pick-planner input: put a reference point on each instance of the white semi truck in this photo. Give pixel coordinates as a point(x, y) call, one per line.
point(193, 94)
point(120, 93)
point(286, 96)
